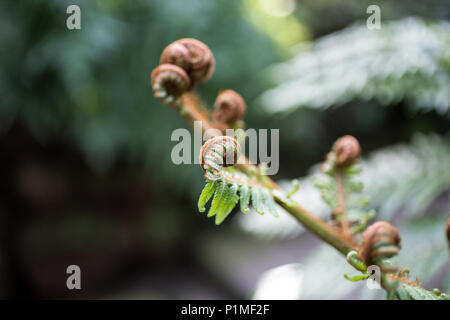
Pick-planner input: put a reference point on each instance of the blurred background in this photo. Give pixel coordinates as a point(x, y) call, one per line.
point(85, 170)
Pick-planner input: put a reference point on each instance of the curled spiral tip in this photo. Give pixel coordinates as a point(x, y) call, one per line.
point(229, 107)
point(380, 241)
point(216, 153)
point(169, 82)
point(177, 54)
point(193, 56)
point(347, 150)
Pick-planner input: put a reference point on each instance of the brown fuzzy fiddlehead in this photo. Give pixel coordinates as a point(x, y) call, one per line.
point(229, 107)
point(193, 56)
point(169, 82)
point(216, 153)
point(347, 150)
point(381, 241)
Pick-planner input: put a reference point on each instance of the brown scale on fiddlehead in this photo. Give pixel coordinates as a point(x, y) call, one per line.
point(229, 108)
point(216, 153)
point(347, 150)
point(169, 82)
point(381, 241)
point(193, 56)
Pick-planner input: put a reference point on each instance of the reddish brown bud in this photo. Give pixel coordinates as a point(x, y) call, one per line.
point(347, 150)
point(193, 56)
point(177, 54)
point(229, 107)
point(169, 81)
point(380, 241)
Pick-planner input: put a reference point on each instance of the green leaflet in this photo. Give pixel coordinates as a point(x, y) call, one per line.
point(357, 277)
point(269, 203)
point(234, 187)
point(390, 295)
point(402, 294)
point(415, 293)
point(218, 197)
point(244, 194)
point(257, 200)
point(206, 194)
point(228, 204)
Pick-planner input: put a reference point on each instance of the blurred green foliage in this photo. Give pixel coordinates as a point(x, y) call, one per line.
point(406, 60)
point(90, 87)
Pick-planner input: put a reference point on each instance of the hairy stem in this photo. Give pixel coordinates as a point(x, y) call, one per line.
point(320, 228)
point(340, 211)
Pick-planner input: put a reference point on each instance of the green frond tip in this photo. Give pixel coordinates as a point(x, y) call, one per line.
point(206, 194)
point(269, 204)
point(232, 189)
point(295, 187)
point(357, 277)
point(411, 292)
point(257, 200)
point(352, 258)
point(230, 201)
point(244, 194)
point(218, 198)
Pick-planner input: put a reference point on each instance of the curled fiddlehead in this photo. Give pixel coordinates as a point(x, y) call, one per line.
point(381, 241)
point(193, 56)
point(341, 189)
point(169, 82)
point(216, 153)
point(347, 150)
point(227, 186)
point(229, 107)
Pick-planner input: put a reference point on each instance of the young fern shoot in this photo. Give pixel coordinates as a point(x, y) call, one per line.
point(226, 186)
point(187, 62)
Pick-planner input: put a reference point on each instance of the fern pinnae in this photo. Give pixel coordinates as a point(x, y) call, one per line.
point(206, 194)
point(269, 203)
point(257, 200)
point(218, 197)
point(224, 204)
point(402, 294)
point(244, 195)
point(229, 203)
point(412, 292)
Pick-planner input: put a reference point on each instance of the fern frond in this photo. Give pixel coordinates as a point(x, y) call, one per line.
point(244, 194)
point(326, 183)
point(219, 196)
point(206, 194)
point(269, 203)
point(230, 200)
point(411, 292)
point(324, 78)
point(234, 189)
point(257, 201)
point(402, 294)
